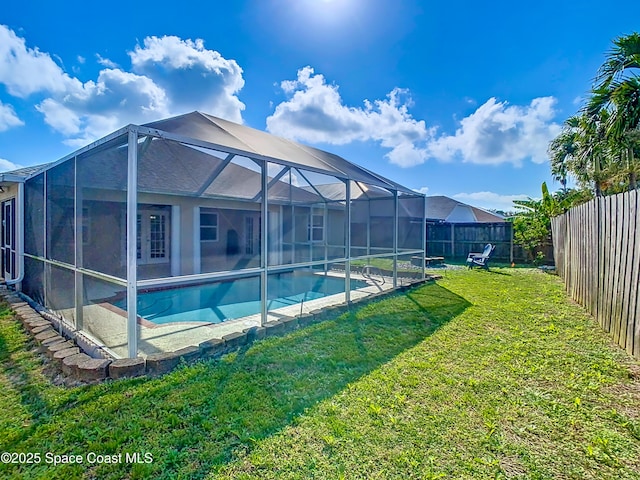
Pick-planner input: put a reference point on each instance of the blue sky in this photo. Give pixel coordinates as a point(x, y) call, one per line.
point(449, 98)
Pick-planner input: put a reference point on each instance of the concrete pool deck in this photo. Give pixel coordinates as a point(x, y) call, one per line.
point(107, 326)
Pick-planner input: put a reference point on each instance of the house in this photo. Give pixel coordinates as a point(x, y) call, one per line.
point(441, 209)
point(165, 235)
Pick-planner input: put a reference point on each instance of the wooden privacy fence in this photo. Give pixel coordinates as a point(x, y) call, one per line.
point(456, 240)
point(597, 251)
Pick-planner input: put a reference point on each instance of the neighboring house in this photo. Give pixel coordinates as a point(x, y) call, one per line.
point(147, 239)
point(447, 210)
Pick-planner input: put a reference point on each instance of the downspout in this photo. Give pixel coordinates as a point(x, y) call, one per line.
point(19, 223)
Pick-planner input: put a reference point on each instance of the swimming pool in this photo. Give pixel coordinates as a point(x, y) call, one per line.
point(228, 300)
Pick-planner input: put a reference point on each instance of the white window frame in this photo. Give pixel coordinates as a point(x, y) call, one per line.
point(215, 228)
point(311, 227)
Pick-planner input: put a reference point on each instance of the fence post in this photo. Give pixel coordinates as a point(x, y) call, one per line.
point(598, 253)
point(453, 240)
point(509, 225)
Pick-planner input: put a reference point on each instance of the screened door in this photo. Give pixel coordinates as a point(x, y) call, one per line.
point(8, 239)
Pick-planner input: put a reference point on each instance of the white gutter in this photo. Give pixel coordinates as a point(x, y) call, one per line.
point(19, 223)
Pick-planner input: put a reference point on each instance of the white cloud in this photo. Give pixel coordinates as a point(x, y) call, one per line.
point(498, 133)
point(8, 117)
point(422, 190)
point(495, 133)
point(115, 99)
point(193, 77)
point(28, 70)
point(316, 113)
point(105, 62)
point(490, 200)
point(169, 76)
point(61, 118)
point(6, 165)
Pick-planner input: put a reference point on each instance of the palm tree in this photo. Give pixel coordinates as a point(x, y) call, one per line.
point(562, 150)
point(624, 122)
point(600, 144)
point(624, 55)
point(579, 151)
point(590, 162)
point(618, 91)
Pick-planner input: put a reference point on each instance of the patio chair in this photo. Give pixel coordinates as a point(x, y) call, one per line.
point(481, 259)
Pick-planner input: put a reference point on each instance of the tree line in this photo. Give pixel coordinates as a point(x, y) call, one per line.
point(599, 147)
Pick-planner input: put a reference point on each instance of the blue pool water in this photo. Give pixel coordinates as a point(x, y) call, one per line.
point(215, 303)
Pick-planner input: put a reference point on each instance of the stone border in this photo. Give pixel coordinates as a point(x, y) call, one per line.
point(78, 359)
point(55, 342)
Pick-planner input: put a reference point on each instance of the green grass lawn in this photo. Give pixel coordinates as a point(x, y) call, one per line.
point(482, 375)
point(385, 264)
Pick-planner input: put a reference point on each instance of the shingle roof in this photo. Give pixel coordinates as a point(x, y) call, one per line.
point(22, 173)
point(447, 209)
point(176, 169)
point(337, 191)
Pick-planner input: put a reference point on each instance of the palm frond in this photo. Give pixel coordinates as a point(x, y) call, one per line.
point(624, 55)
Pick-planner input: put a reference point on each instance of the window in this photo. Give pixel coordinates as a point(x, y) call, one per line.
point(315, 229)
point(208, 225)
